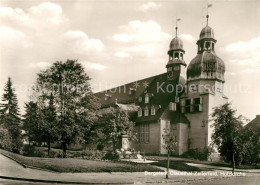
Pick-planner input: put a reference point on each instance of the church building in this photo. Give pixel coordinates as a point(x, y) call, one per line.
point(181, 99)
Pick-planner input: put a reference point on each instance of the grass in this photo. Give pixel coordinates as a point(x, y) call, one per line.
point(177, 165)
point(80, 165)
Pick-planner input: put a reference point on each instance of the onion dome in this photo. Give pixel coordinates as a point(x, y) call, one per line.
point(206, 65)
point(207, 32)
point(176, 43)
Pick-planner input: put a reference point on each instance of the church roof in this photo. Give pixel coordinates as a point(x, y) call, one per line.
point(158, 97)
point(122, 95)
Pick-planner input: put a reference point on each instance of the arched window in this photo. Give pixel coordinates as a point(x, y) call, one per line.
point(152, 110)
point(181, 55)
point(176, 55)
point(139, 112)
point(207, 45)
point(213, 46)
point(146, 111)
point(201, 46)
point(146, 99)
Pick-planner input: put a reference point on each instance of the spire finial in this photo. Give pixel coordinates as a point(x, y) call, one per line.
point(176, 28)
point(208, 6)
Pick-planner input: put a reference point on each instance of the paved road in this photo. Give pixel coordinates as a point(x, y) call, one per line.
point(12, 169)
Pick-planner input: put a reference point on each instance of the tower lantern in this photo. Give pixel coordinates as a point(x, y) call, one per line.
point(176, 54)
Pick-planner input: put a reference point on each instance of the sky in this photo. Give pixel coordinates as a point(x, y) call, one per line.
point(121, 41)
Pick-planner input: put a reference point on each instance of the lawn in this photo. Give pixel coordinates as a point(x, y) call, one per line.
point(177, 165)
point(80, 165)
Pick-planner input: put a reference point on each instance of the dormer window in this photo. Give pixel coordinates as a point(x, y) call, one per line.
point(107, 96)
point(139, 112)
point(131, 91)
point(146, 111)
point(152, 110)
point(147, 98)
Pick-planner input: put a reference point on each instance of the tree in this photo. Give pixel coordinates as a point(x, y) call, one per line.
point(74, 102)
point(250, 146)
point(170, 146)
point(30, 120)
point(227, 133)
point(5, 140)
point(10, 117)
point(49, 125)
point(113, 124)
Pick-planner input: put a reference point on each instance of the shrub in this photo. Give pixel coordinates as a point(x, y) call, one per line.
point(111, 155)
point(31, 151)
point(197, 154)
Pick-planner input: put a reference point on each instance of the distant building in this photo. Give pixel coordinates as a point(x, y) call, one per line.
point(255, 124)
point(176, 100)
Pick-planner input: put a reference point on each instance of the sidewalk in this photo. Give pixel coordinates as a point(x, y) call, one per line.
point(224, 168)
point(12, 170)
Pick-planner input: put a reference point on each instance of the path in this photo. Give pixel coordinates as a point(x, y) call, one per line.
point(10, 168)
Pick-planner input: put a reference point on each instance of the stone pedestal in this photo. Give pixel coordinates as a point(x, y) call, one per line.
point(124, 142)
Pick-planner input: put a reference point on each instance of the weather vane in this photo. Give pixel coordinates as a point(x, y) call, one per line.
point(176, 28)
point(207, 16)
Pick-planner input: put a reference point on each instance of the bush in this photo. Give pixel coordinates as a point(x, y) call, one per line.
point(112, 155)
point(196, 154)
point(91, 154)
point(31, 151)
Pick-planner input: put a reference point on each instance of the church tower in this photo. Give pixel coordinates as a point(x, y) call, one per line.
point(205, 80)
point(206, 67)
point(176, 53)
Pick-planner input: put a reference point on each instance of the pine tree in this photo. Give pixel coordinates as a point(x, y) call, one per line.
point(30, 120)
point(10, 117)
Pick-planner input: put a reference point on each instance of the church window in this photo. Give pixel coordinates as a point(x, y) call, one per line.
point(213, 46)
point(146, 111)
point(172, 106)
point(181, 55)
point(146, 99)
point(152, 110)
point(203, 123)
point(139, 112)
point(176, 99)
point(198, 104)
point(207, 45)
point(176, 55)
point(201, 46)
point(182, 105)
point(144, 133)
point(188, 106)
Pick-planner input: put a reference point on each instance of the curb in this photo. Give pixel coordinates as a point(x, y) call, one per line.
point(61, 182)
point(27, 166)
